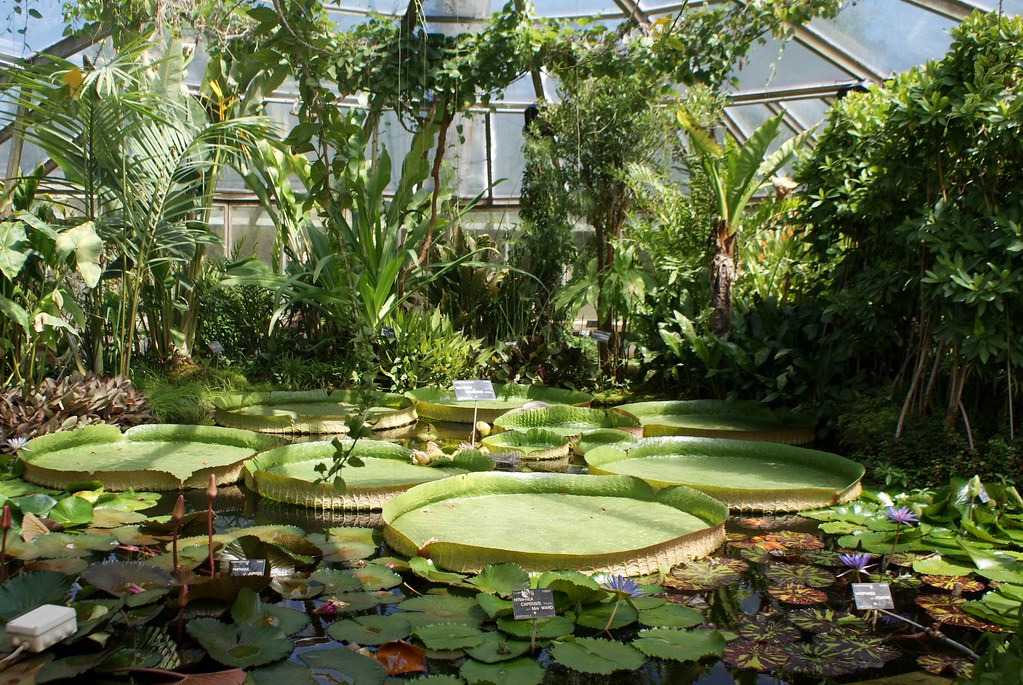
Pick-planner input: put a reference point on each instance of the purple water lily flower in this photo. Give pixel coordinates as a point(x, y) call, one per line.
point(856, 561)
point(902, 516)
point(622, 586)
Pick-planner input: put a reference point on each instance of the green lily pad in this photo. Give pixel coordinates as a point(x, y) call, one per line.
point(577, 587)
point(567, 421)
point(439, 404)
point(371, 630)
point(758, 629)
point(336, 580)
point(289, 474)
point(376, 577)
point(150, 457)
point(282, 672)
point(546, 628)
point(249, 609)
point(28, 591)
point(447, 636)
point(494, 606)
point(823, 620)
point(311, 411)
point(241, 646)
point(746, 420)
point(120, 578)
point(680, 645)
point(496, 648)
point(597, 655)
point(937, 566)
point(427, 609)
point(343, 665)
point(334, 549)
point(605, 437)
point(465, 522)
point(71, 511)
point(426, 569)
point(297, 588)
point(670, 616)
point(794, 593)
point(745, 475)
point(535, 444)
point(501, 579)
point(37, 504)
point(601, 616)
point(515, 672)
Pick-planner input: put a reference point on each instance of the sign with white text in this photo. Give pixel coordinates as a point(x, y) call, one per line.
point(473, 391)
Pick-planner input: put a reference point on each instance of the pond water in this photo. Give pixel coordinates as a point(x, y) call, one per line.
point(766, 553)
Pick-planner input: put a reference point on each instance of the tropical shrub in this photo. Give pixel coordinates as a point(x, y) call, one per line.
point(914, 192)
point(427, 350)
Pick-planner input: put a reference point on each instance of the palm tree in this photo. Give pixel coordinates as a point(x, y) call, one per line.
point(140, 157)
point(735, 174)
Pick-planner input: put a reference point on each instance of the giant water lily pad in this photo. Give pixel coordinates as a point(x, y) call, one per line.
point(737, 420)
point(439, 404)
point(546, 521)
point(288, 474)
point(152, 457)
point(745, 475)
point(571, 422)
point(312, 411)
point(535, 444)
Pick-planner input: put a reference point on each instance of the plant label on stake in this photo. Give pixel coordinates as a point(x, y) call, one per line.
point(872, 596)
point(216, 347)
point(532, 605)
point(387, 333)
point(473, 391)
point(602, 337)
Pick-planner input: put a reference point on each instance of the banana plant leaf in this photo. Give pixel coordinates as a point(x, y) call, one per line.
point(745, 475)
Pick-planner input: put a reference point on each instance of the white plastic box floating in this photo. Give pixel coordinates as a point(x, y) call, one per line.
point(42, 627)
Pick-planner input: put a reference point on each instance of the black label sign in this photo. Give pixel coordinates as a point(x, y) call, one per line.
point(387, 332)
point(469, 391)
point(215, 347)
point(532, 604)
point(602, 337)
point(248, 567)
point(873, 596)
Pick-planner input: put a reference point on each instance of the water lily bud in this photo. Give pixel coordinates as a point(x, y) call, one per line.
point(483, 428)
point(211, 491)
point(179, 509)
point(421, 458)
point(5, 518)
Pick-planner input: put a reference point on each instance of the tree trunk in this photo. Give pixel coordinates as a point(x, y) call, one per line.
point(722, 275)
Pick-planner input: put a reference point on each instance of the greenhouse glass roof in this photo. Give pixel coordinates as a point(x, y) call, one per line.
point(868, 41)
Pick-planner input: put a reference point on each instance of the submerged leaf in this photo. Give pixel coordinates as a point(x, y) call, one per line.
point(400, 657)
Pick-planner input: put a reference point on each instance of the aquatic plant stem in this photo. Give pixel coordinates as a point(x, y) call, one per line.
point(611, 618)
point(933, 632)
point(176, 515)
point(211, 494)
point(5, 524)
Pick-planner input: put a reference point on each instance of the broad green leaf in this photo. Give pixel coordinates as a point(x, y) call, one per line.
point(447, 636)
point(670, 616)
point(515, 672)
point(546, 628)
point(501, 579)
point(497, 647)
point(13, 241)
point(249, 609)
point(28, 591)
point(87, 246)
point(371, 630)
point(597, 655)
point(343, 665)
point(241, 646)
point(680, 645)
point(71, 511)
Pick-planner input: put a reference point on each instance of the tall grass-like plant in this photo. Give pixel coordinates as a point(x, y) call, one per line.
point(140, 158)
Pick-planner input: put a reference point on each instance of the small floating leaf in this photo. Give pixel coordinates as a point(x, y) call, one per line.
point(496, 647)
point(516, 672)
point(597, 655)
point(447, 636)
point(680, 645)
point(501, 579)
point(755, 655)
point(428, 609)
point(348, 665)
point(240, 645)
point(371, 630)
point(670, 616)
point(546, 629)
point(793, 593)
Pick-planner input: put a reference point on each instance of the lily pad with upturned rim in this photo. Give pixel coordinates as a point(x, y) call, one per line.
point(312, 411)
point(571, 422)
point(736, 420)
point(546, 521)
point(535, 444)
point(745, 475)
point(150, 457)
point(241, 646)
point(439, 404)
point(288, 474)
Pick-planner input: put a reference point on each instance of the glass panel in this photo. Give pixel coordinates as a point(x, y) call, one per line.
point(575, 8)
point(251, 234)
point(774, 65)
point(889, 35)
point(25, 35)
point(807, 112)
point(506, 152)
point(467, 155)
point(216, 225)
